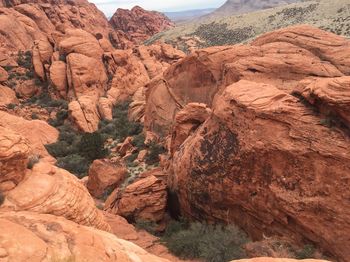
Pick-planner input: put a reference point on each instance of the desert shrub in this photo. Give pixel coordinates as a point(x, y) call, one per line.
point(11, 84)
point(60, 149)
point(75, 164)
point(29, 75)
point(307, 252)
point(91, 146)
point(2, 198)
point(8, 68)
point(34, 116)
point(148, 226)
point(139, 141)
point(24, 59)
point(120, 127)
point(32, 161)
point(154, 150)
point(11, 106)
point(58, 103)
point(175, 226)
point(208, 242)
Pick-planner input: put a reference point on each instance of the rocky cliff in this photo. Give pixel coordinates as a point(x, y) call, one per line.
point(271, 150)
point(139, 23)
point(255, 135)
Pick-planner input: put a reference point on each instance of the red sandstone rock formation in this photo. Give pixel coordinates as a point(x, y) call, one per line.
point(38, 237)
point(265, 158)
point(139, 23)
point(143, 200)
point(102, 175)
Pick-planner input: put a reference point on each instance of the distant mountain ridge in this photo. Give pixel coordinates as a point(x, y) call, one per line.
point(219, 29)
point(232, 7)
point(186, 15)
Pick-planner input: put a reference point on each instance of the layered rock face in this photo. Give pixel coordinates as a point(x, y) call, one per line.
point(144, 200)
point(139, 23)
point(27, 236)
point(44, 188)
point(273, 154)
point(281, 58)
point(73, 48)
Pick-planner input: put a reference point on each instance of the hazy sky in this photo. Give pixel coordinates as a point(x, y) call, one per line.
point(109, 6)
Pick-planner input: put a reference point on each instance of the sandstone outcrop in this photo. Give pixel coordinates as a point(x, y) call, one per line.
point(103, 175)
point(186, 122)
point(140, 24)
point(272, 154)
point(7, 96)
point(274, 180)
point(39, 237)
point(123, 230)
point(14, 153)
point(47, 189)
point(40, 133)
point(143, 200)
point(330, 96)
point(132, 69)
point(58, 77)
point(273, 59)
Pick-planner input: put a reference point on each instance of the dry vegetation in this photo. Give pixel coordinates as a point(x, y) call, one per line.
point(333, 16)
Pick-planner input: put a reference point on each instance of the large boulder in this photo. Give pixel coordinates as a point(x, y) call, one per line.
point(7, 96)
point(58, 77)
point(39, 237)
point(14, 153)
point(143, 200)
point(84, 113)
point(264, 161)
point(80, 42)
point(47, 189)
point(104, 175)
point(40, 133)
point(281, 59)
point(330, 95)
point(140, 24)
point(86, 76)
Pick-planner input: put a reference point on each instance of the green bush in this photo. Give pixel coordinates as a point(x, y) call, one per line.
point(148, 226)
point(120, 127)
point(307, 252)
point(207, 242)
point(34, 116)
point(91, 146)
point(11, 106)
point(24, 59)
point(60, 149)
point(154, 150)
point(75, 164)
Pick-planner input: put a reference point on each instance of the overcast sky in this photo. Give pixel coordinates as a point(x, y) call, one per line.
point(109, 6)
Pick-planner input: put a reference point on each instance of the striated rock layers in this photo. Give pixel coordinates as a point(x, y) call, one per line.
point(272, 152)
point(34, 237)
point(139, 23)
point(44, 188)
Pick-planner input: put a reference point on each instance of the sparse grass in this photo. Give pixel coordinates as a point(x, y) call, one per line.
point(154, 150)
point(307, 252)
point(207, 242)
point(148, 226)
point(333, 16)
